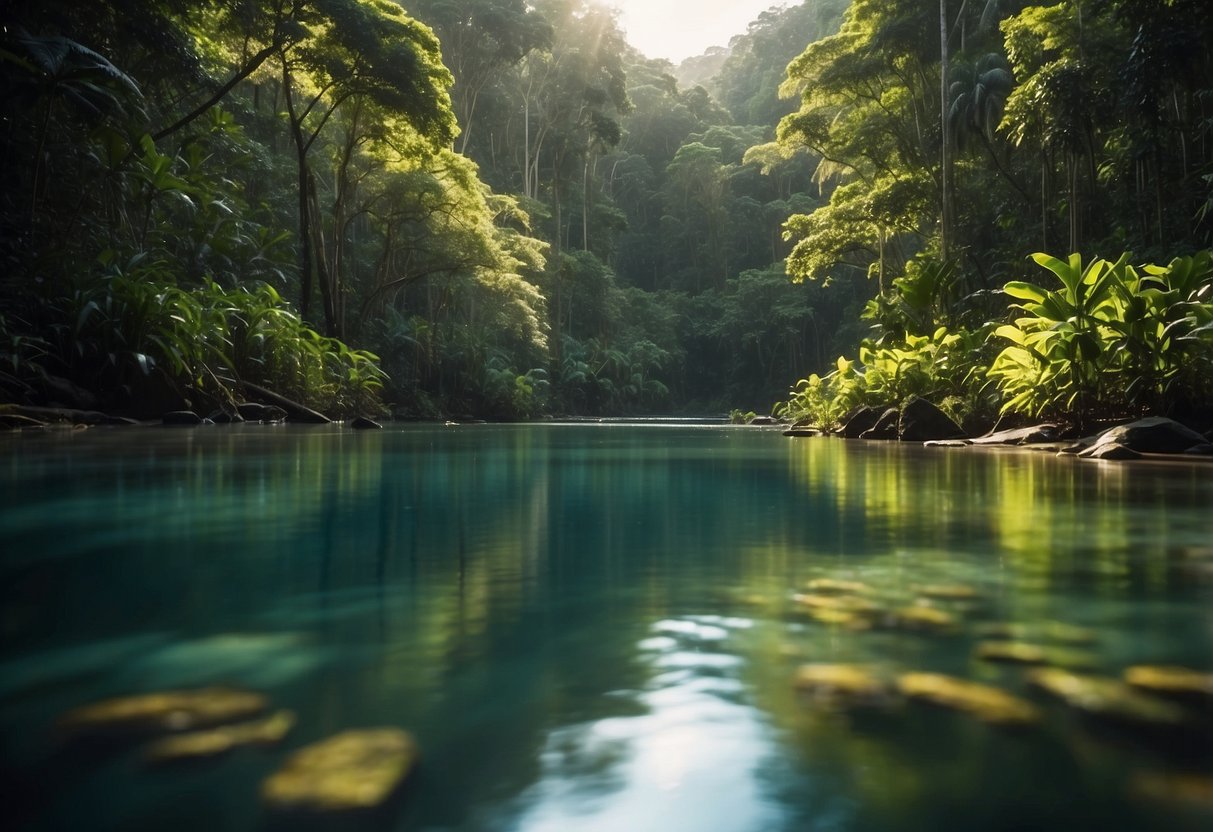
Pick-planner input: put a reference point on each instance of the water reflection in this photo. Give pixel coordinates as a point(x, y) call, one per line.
point(696, 737)
point(589, 626)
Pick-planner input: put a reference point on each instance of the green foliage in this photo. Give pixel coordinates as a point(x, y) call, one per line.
point(134, 321)
point(824, 400)
point(1112, 340)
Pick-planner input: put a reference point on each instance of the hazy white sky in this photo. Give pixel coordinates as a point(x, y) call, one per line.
point(677, 29)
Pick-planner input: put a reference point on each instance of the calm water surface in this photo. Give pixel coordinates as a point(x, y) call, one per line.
point(586, 627)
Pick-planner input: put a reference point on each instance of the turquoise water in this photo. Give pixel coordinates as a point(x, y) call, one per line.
point(587, 627)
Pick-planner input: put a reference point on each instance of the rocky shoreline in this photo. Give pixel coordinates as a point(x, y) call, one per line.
point(18, 417)
point(919, 421)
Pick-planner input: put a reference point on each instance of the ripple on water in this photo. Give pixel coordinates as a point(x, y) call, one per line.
point(697, 737)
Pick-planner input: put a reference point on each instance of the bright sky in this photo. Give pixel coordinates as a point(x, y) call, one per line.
point(678, 29)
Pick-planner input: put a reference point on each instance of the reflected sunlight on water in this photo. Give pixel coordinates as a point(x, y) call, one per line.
point(598, 626)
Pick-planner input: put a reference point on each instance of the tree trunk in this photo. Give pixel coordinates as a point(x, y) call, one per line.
point(305, 224)
point(946, 154)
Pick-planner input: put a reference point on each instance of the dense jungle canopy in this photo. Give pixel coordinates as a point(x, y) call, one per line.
point(498, 208)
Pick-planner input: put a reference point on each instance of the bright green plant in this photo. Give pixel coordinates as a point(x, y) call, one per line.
point(134, 321)
point(824, 400)
point(1111, 340)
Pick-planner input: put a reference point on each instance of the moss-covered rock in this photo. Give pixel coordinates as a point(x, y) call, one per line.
point(1179, 683)
point(1185, 791)
point(834, 586)
point(355, 771)
point(1024, 653)
point(843, 685)
point(1109, 700)
point(1057, 632)
point(1011, 652)
point(923, 619)
point(989, 704)
point(163, 712)
point(198, 745)
point(950, 592)
point(841, 603)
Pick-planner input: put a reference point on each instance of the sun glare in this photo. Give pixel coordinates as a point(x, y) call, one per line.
point(678, 29)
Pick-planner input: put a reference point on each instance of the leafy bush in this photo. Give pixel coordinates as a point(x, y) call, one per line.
point(135, 320)
point(1112, 340)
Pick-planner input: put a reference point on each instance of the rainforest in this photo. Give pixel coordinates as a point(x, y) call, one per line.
point(499, 209)
point(442, 415)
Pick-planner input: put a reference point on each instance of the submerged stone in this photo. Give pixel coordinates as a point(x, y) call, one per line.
point(1011, 652)
point(1108, 699)
point(845, 685)
point(845, 610)
point(920, 619)
point(163, 712)
point(950, 592)
point(989, 704)
point(1192, 791)
point(842, 603)
point(1181, 683)
point(833, 586)
point(350, 772)
point(197, 745)
point(1018, 652)
point(1057, 632)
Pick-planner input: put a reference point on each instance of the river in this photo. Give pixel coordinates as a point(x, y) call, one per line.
point(594, 627)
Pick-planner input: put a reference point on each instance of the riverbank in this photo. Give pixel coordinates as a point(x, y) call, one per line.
point(1148, 438)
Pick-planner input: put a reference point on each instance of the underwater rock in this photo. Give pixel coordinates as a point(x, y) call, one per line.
point(947, 443)
point(1194, 791)
point(845, 610)
point(803, 432)
point(1011, 652)
point(1155, 435)
point(162, 712)
point(181, 417)
point(835, 586)
point(1057, 632)
point(198, 745)
point(949, 592)
point(920, 619)
point(842, 685)
point(1109, 450)
point(845, 603)
point(922, 421)
point(1179, 683)
point(989, 704)
point(364, 423)
point(1106, 699)
point(351, 772)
